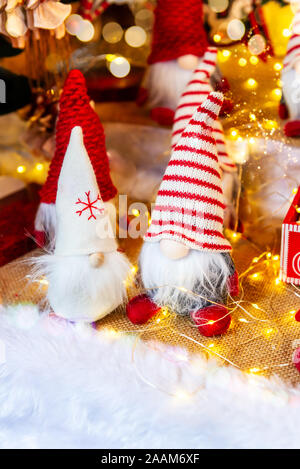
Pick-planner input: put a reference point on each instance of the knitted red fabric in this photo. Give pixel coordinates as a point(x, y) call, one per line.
point(178, 30)
point(75, 110)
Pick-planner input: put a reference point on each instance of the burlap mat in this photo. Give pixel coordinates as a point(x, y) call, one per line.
point(262, 345)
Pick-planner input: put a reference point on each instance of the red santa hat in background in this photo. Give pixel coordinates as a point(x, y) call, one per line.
point(189, 207)
point(178, 43)
point(75, 110)
point(193, 96)
point(178, 30)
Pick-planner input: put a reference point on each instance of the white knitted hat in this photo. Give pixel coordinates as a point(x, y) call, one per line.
point(193, 96)
point(293, 48)
point(83, 225)
point(189, 206)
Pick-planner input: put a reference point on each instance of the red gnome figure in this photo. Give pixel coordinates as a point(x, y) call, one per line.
point(74, 110)
point(179, 44)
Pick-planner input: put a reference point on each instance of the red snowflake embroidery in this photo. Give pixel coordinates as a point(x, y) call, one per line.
point(89, 205)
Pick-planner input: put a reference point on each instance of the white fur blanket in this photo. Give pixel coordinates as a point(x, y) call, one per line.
point(64, 386)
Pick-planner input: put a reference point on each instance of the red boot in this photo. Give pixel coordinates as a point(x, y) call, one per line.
point(292, 129)
point(140, 309)
point(212, 320)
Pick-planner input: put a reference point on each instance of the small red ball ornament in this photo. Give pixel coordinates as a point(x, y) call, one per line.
point(140, 309)
point(297, 316)
point(213, 320)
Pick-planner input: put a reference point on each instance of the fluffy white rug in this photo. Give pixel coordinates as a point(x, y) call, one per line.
point(64, 386)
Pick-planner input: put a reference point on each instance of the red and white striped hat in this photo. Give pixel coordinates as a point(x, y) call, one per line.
point(193, 96)
point(293, 49)
point(189, 207)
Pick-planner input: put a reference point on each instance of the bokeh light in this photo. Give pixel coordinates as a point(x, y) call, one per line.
point(73, 24)
point(253, 60)
point(217, 37)
point(218, 5)
point(119, 67)
point(86, 31)
point(256, 44)
point(144, 18)
point(236, 29)
point(112, 32)
point(135, 36)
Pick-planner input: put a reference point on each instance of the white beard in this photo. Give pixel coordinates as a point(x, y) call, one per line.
point(165, 83)
point(79, 292)
point(204, 274)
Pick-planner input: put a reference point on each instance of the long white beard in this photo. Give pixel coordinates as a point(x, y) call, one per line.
point(79, 292)
point(172, 283)
point(165, 82)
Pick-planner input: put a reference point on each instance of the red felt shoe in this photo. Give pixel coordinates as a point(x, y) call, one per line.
point(162, 115)
point(213, 320)
point(292, 129)
point(140, 309)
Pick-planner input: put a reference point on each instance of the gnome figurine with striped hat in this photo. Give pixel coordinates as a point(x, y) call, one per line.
point(193, 96)
point(290, 105)
point(74, 110)
point(185, 262)
point(179, 43)
point(86, 272)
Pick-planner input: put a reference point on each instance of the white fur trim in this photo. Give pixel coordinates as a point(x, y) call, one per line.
point(64, 386)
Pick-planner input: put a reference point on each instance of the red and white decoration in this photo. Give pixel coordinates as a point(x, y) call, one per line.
point(193, 96)
point(178, 44)
point(86, 273)
point(185, 260)
point(189, 206)
point(290, 244)
point(75, 110)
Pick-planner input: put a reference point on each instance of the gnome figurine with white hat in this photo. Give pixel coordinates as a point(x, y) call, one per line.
point(185, 262)
point(179, 43)
point(74, 110)
point(86, 272)
point(196, 91)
